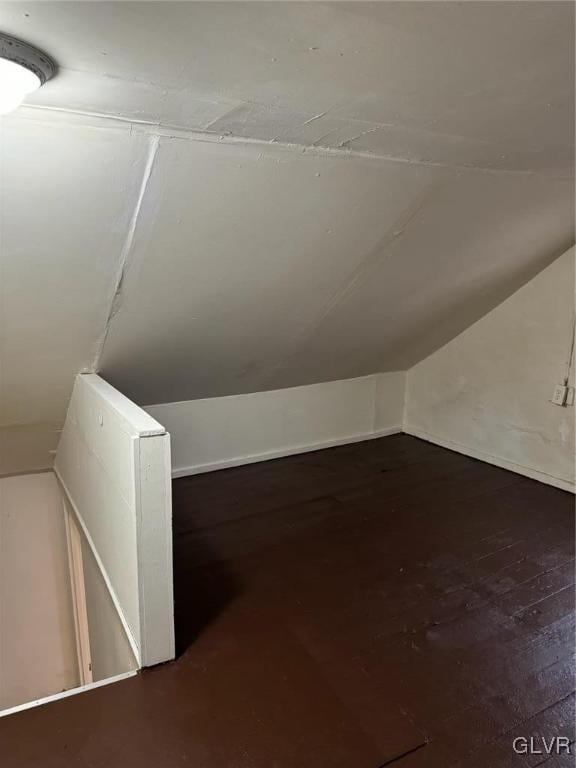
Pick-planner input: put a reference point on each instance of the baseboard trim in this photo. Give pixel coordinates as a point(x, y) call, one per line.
point(239, 461)
point(66, 694)
point(489, 458)
point(128, 631)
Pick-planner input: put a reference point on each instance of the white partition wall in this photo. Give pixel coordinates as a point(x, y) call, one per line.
point(487, 393)
point(37, 648)
point(113, 462)
point(220, 432)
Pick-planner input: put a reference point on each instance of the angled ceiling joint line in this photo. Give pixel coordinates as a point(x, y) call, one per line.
point(208, 126)
point(356, 279)
point(156, 128)
point(125, 255)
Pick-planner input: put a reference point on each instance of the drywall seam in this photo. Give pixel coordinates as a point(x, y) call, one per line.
point(126, 251)
point(166, 130)
point(280, 453)
point(66, 694)
point(534, 474)
point(113, 596)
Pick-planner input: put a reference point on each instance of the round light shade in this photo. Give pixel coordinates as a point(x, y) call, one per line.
point(23, 69)
point(16, 82)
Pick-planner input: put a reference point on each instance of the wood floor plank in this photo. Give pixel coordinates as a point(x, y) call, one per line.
point(383, 603)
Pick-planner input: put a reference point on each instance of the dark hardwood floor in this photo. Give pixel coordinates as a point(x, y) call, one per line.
point(388, 602)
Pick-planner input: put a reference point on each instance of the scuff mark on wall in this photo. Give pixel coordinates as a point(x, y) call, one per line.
point(316, 117)
point(347, 142)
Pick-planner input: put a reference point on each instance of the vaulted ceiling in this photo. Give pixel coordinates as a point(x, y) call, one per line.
point(213, 198)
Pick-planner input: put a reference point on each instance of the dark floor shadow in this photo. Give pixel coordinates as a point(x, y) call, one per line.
point(204, 585)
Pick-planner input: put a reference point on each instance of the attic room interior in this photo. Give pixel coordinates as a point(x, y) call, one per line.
point(287, 319)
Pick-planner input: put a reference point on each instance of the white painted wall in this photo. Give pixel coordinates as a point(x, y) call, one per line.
point(110, 650)
point(228, 431)
point(114, 463)
point(37, 641)
point(487, 393)
point(28, 447)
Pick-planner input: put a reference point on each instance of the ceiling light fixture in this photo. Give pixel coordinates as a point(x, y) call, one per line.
point(23, 69)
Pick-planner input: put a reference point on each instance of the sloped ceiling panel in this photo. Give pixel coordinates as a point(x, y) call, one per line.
point(471, 243)
point(238, 252)
point(262, 268)
point(66, 199)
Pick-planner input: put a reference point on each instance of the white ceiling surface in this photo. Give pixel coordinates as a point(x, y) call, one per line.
point(255, 269)
point(475, 83)
point(66, 195)
point(431, 178)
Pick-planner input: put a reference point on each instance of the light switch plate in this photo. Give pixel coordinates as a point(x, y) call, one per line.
point(560, 394)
